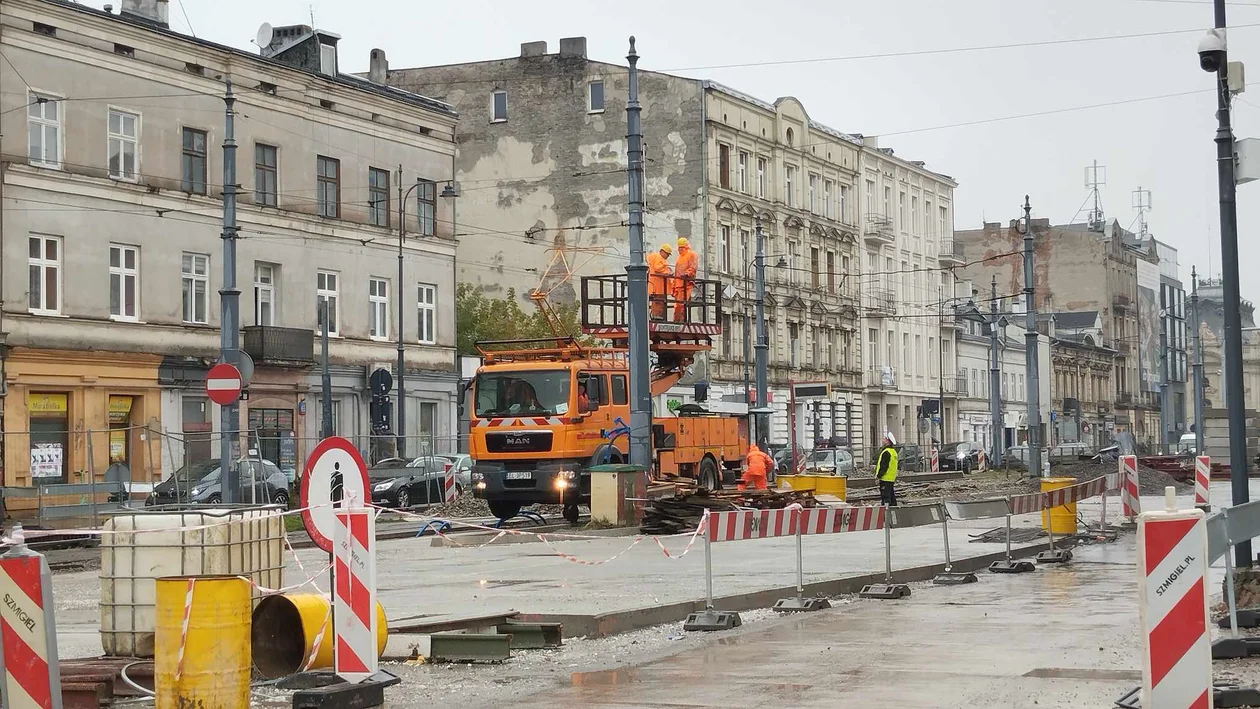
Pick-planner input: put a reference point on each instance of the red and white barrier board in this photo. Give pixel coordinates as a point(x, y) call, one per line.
point(1173, 606)
point(936, 461)
point(28, 638)
point(1130, 503)
point(354, 597)
point(764, 524)
point(1037, 501)
point(983, 463)
point(1202, 480)
point(448, 487)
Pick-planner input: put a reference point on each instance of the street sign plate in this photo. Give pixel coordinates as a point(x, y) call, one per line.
point(334, 472)
point(223, 384)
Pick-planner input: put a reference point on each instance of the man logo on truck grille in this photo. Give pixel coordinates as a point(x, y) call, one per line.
point(517, 440)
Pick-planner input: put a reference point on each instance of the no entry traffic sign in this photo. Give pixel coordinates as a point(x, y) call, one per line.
point(223, 384)
point(334, 472)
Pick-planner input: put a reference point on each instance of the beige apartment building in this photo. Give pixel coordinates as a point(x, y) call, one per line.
point(113, 126)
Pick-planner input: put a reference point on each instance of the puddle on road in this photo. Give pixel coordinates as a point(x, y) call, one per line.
point(1084, 673)
point(604, 678)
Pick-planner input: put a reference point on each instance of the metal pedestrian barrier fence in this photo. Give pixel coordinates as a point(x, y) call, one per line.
point(987, 509)
point(902, 518)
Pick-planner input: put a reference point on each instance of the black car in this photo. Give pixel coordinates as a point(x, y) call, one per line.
point(909, 457)
point(200, 483)
point(400, 483)
point(963, 455)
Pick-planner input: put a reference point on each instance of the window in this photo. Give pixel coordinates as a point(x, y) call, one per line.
point(196, 277)
point(124, 130)
point(726, 336)
point(872, 342)
point(266, 190)
point(831, 349)
point(264, 294)
point(743, 172)
point(328, 59)
point(827, 206)
point(1021, 387)
point(378, 308)
point(815, 276)
point(914, 215)
point(498, 106)
point(813, 194)
point(887, 201)
point(426, 208)
point(815, 347)
point(844, 204)
point(124, 281)
point(870, 196)
point(794, 341)
point(328, 186)
point(942, 226)
point(326, 298)
point(378, 196)
point(426, 305)
point(743, 250)
point(831, 271)
point(595, 97)
point(620, 395)
point(45, 274)
point(901, 210)
point(724, 248)
point(794, 261)
point(927, 217)
point(724, 166)
point(761, 178)
point(194, 161)
point(43, 129)
point(789, 176)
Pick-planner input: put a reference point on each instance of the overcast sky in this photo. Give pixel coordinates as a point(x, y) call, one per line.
point(1163, 145)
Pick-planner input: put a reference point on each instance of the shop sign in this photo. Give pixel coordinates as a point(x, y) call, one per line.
point(46, 404)
point(119, 409)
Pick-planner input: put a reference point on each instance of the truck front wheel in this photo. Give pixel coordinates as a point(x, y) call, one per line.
point(708, 475)
point(504, 510)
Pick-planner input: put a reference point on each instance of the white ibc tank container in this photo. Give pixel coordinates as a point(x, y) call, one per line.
point(139, 547)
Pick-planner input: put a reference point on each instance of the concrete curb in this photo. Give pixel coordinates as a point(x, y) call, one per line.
point(605, 624)
point(527, 535)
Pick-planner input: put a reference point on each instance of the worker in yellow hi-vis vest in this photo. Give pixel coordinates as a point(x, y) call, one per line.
point(886, 470)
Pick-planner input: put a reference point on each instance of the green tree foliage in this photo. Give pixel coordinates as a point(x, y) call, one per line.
point(479, 317)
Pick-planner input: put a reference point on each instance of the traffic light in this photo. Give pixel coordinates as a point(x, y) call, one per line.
point(381, 412)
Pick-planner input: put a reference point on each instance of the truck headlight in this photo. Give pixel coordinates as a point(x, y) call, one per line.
point(568, 474)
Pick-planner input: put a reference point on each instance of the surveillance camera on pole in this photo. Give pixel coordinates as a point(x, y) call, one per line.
point(1212, 50)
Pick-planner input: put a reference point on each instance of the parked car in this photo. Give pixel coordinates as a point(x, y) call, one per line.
point(962, 455)
point(461, 465)
point(782, 459)
point(1187, 444)
point(200, 483)
point(829, 460)
point(400, 483)
point(910, 457)
point(1071, 451)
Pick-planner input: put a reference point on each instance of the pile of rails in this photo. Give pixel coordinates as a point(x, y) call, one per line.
point(681, 512)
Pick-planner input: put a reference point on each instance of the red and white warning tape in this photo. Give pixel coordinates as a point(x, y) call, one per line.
point(183, 629)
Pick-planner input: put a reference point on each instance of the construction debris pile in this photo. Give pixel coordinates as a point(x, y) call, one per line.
point(682, 512)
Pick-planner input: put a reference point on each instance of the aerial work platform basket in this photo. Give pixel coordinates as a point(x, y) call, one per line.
point(683, 325)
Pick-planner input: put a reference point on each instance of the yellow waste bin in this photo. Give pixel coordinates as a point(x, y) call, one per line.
point(1059, 520)
point(799, 482)
point(837, 485)
point(216, 651)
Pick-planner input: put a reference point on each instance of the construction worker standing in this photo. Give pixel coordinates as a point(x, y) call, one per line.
point(886, 471)
point(684, 278)
point(756, 465)
point(658, 280)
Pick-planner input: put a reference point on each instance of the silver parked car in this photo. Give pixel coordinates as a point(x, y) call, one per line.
point(837, 461)
point(461, 465)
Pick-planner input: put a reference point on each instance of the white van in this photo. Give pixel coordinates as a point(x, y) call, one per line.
point(1186, 444)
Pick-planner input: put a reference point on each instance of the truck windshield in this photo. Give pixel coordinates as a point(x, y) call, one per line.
point(544, 393)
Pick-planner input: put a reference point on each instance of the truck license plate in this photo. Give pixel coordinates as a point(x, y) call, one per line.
point(519, 475)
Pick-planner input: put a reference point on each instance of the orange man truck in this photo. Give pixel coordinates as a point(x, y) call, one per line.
point(542, 412)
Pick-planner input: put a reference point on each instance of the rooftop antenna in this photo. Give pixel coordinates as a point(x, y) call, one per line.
point(312, 10)
point(1142, 203)
point(1095, 177)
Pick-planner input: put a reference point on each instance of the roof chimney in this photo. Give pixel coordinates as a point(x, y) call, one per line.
point(533, 49)
point(378, 68)
point(572, 47)
point(153, 12)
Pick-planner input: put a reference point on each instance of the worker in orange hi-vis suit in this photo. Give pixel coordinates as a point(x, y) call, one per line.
point(684, 278)
point(757, 465)
point(658, 280)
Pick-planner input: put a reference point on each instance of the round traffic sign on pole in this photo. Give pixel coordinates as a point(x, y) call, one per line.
point(223, 384)
point(334, 472)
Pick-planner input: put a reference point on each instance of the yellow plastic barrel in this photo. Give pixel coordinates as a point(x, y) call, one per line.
point(837, 485)
point(799, 482)
point(1059, 520)
point(285, 629)
point(216, 657)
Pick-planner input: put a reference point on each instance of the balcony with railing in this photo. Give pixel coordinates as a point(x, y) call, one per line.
point(881, 378)
point(955, 385)
point(949, 252)
point(280, 346)
point(880, 302)
point(879, 230)
point(1121, 302)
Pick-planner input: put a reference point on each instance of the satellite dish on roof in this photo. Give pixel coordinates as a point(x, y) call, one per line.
point(265, 34)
